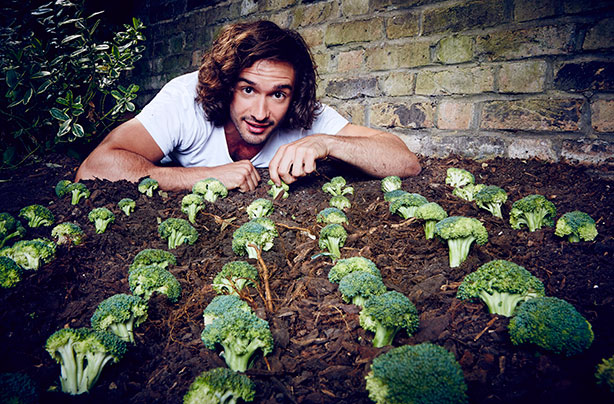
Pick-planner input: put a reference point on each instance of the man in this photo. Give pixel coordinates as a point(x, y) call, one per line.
point(251, 104)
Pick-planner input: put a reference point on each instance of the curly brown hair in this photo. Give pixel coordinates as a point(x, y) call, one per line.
point(239, 46)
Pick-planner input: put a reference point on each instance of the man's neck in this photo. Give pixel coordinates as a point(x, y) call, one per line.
point(237, 147)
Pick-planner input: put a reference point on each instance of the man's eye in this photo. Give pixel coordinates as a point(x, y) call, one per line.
point(248, 90)
point(279, 95)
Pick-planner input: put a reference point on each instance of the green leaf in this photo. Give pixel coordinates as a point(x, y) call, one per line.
point(77, 130)
point(116, 94)
point(71, 38)
point(43, 87)
point(28, 95)
point(130, 107)
point(11, 78)
point(59, 114)
point(64, 128)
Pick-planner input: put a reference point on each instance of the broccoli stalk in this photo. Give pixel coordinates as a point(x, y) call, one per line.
point(406, 204)
point(10, 228)
point(576, 226)
point(147, 186)
point(177, 232)
point(460, 232)
point(30, 254)
point(340, 202)
point(191, 204)
point(332, 238)
point(220, 385)
point(68, 233)
point(222, 304)
point(391, 183)
point(211, 189)
point(459, 177)
point(431, 213)
point(147, 280)
point(37, 215)
point(119, 314)
point(234, 276)
point(491, 198)
point(126, 205)
point(346, 266)
point(278, 191)
point(534, 211)
point(261, 207)
point(257, 234)
point(358, 286)
point(336, 187)
point(101, 217)
point(386, 314)
point(77, 192)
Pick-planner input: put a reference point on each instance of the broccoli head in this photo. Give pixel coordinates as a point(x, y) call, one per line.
point(30, 254)
point(256, 234)
point(177, 232)
point(390, 196)
point(332, 238)
point(147, 280)
point(261, 207)
point(605, 373)
point(220, 385)
point(222, 304)
point(491, 198)
point(576, 226)
point(552, 324)
point(431, 213)
point(345, 266)
point(120, 314)
point(101, 217)
point(460, 232)
point(386, 314)
point(191, 204)
point(278, 191)
point(419, 374)
point(18, 388)
point(60, 188)
point(391, 183)
point(77, 192)
point(126, 205)
point(358, 286)
point(406, 205)
point(468, 191)
point(336, 186)
point(10, 272)
point(331, 215)
point(10, 228)
point(68, 233)
point(234, 276)
point(501, 285)
point(459, 177)
point(153, 256)
point(340, 202)
point(210, 189)
point(534, 211)
point(147, 186)
point(37, 215)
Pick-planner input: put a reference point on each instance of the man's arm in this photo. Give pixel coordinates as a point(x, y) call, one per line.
point(377, 153)
point(130, 153)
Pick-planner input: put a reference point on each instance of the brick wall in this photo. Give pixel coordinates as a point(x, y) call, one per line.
point(483, 78)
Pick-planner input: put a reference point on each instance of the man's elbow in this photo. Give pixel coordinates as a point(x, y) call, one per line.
point(414, 168)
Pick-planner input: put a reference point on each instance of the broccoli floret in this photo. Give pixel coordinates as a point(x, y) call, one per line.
point(331, 215)
point(501, 285)
point(234, 276)
point(10, 272)
point(348, 265)
point(431, 213)
point(147, 186)
point(60, 188)
point(332, 238)
point(210, 189)
point(459, 177)
point(37, 215)
point(68, 233)
point(605, 373)
point(82, 354)
point(336, 186)
point(460, 232)
point(29, 254)
point(10, 228)
point(386, 314)
point(222, 304)
point(576, 226)
point(390, 196)
point(120, 314)
point(340, 202)
point(358, 286)
point(468, 191)
point(101, 217)
point(406, 205)
point(491, 198)
point(18, 388)
point(278, 191)
point(191, 204)
point(419, 374)
point(77, 192)
point(220, 385)
point(126, 205)
point(145, 281)
point(391, 183)
point(534, 211)
point(153, 256)
point(177, 232)
point(258, 233)
point(240, 334)
point(552, 324)
point(259, 208)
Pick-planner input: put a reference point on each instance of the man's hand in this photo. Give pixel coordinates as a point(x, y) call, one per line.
point(297, 159)
point(240, 175)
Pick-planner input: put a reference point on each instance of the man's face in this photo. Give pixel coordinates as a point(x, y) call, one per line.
point(260, 100)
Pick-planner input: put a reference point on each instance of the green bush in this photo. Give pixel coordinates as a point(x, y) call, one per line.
point(59, 82)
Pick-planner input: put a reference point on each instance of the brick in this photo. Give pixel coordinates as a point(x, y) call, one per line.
point(525, 10)
point(176, 43)
point(522, 77)
point(312, 14)
point(463, 16)
point(353, 112)
point(323, 62)
point(454, 49)
point(275, 5)
point(380, 5)
point(389, 115)
point(352, 88)
point(588, 151)
point(176, 63)
point(354, 31)
point(391, 57)
point(457, 80)
point(525, 148)
point(249, 7)
point(575, 6)
point(397, 84)
point(197, 56)
point(403, 25)
point(312, 36)
point(454, 115)
point(466, 145)
point(556, 115)
point(517, 44)
point(602, 115)
point(350, 60)
point(600, 35)
point(585, 76)
point(354, 7)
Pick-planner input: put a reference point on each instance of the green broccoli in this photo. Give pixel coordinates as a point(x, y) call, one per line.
point(336, 186)
point(82, 354)
point(18, 388)
point(552, 324)
point(240, 334)
point(459, 177)
point(256, 234)
point(153, 256)
point(77, 192)
point(147, 186)
point(576, 226)
point(460, 232)
point(10, 272)
point(386, 314)
point(345, 266)
point(177, 232)
point(234, 276)
point(605, 373)
point(220, 385)
point(331, 215)
point(534, 211)
point(431, 213)
point(60, 188)
point(222, 304)
point(119, 314)
point(332, 238)
point(491, 198)
point(390, 196)
point(419, 374)
point(126, 205)
point(261, 207)
point(501, 285)
point(10, 228)
point(191, 204)
point(147, 280)
point(468, 191)
point(391, 183)
point(29, 254)
point(406, 205)
point(358, 286)
point(210, 189)
point(37, 215)
point(68, 233)
point(101, 217)
point(278, 191)
point(340, 202)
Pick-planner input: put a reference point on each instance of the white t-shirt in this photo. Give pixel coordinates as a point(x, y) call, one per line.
point(181, 129)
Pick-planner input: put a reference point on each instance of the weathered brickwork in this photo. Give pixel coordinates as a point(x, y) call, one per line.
point(481, 78)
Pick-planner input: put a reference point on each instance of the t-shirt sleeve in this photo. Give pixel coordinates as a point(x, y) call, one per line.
point(328, 121)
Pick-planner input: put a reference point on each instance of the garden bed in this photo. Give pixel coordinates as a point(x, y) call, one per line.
point(321, 353)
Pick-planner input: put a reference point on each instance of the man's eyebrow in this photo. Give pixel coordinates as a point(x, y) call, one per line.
point(278, 87)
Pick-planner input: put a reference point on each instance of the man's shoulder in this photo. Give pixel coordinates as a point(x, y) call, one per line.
point(187, 80)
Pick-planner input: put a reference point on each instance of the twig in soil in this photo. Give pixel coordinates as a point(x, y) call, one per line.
point(488, 325)
point(347, 326)
point(268, 299)
point(403, 223)
point(301, 229)
point(222, 222)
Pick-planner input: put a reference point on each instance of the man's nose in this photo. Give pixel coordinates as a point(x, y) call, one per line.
point(261, 109)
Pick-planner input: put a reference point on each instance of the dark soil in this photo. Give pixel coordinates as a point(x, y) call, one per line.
point(321, 353)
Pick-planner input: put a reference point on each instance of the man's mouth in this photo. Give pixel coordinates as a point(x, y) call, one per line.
point(257, 128)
